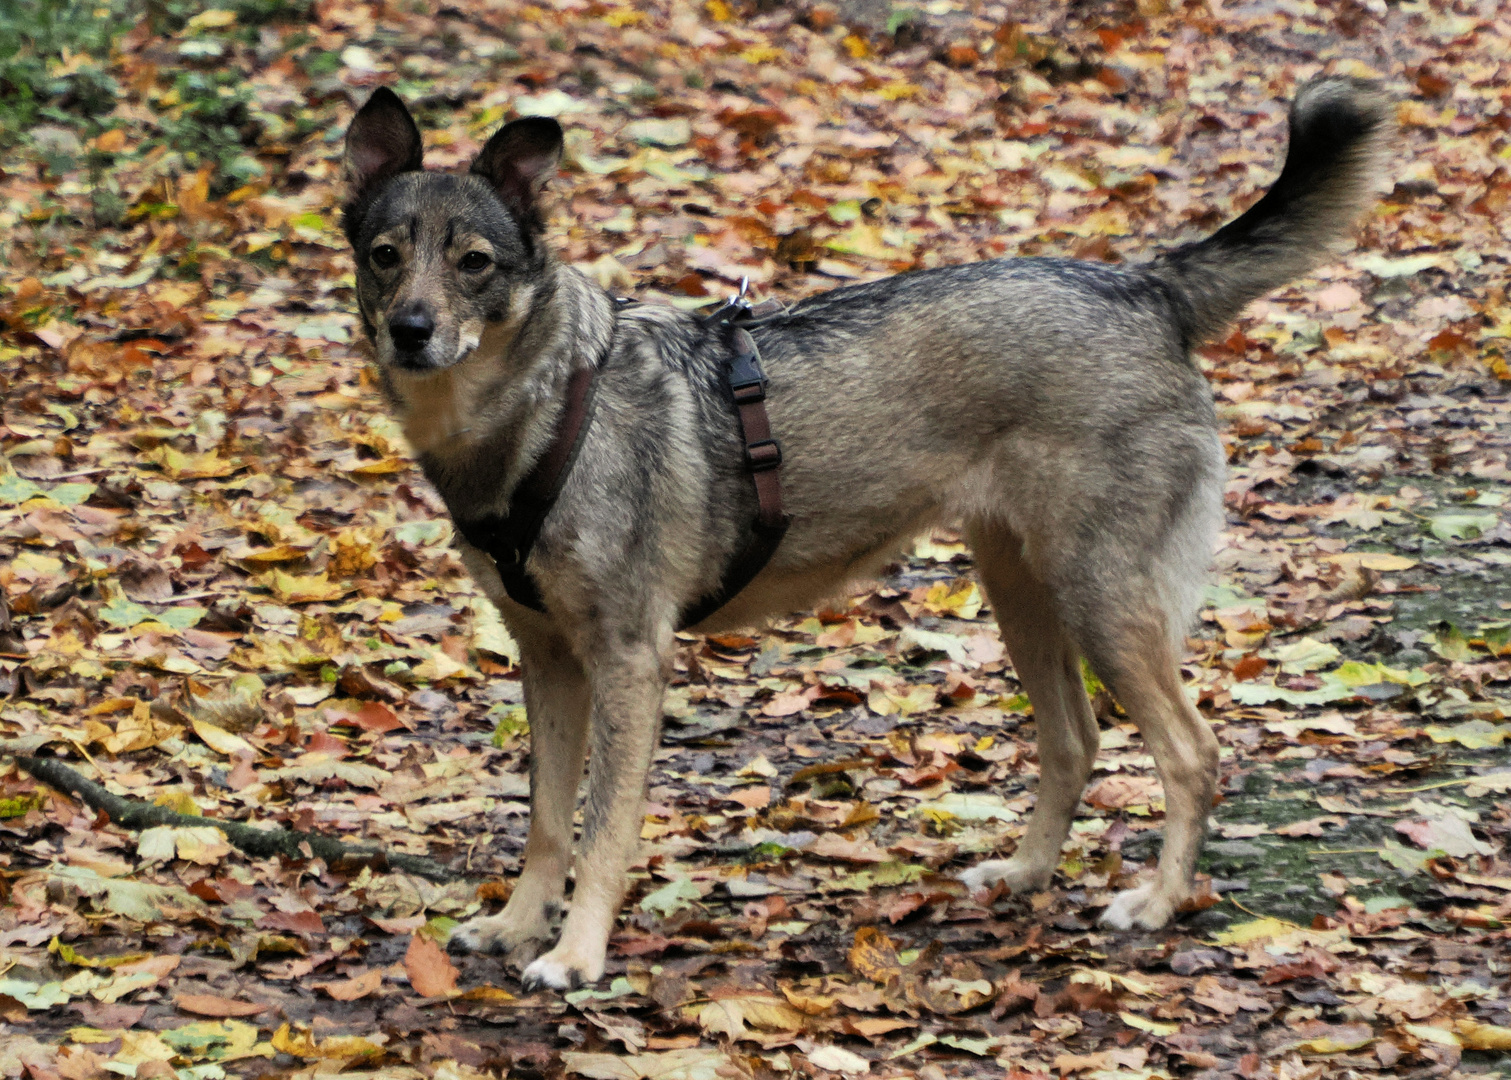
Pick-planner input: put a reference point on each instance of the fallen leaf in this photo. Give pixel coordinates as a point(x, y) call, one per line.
point(430, 972)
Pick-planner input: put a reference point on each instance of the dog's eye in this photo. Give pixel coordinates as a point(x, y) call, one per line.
point(474, 261)
point(385, 256)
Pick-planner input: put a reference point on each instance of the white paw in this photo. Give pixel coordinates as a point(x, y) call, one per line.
point(1146, 906)
point(1020, 877)
point(558, 970)
point(504, 934)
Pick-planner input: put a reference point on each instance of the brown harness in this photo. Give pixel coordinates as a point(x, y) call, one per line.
point(509, 538)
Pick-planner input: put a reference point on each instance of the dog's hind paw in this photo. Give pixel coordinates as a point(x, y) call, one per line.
point(1146, 906)
point(1018, 875)
point(558, 970)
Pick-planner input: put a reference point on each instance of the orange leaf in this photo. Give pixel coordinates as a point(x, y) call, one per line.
point(751, 798)
point(359, 987)
point(874, 957)
point(213, 1005)
point(430, 972)
point(367, 715)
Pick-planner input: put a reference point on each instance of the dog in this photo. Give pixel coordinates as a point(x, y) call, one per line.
point(1048, 407)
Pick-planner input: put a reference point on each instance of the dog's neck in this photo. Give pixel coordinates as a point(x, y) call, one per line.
point(495, 413)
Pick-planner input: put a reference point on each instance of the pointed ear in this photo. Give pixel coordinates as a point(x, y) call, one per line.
point(518, 161)
point(381, 142)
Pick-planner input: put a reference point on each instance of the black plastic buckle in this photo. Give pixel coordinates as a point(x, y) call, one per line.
point(763, 456)
point(746, 379)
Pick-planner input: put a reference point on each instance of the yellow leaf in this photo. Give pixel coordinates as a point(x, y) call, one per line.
point(1329, 1045)
point(69, 955)
point(899, 89)
point(730, 1016)
point(306, 589)
point(1477, 1036)
point(140, 1047)
point(381, 467)
point(719, 11)
point(1256, 930)
point(761, 54)
point(1106, 980)
point(1153, 1027)
point(220, 740)
point(180, 802)
point(302, 1044)
point(856, 46)
point(1373, 560)
point(279, 553)
point(214, 19)
point(1428, 1033)
point(625, 16)
point(181, 466)
point(438, 666)
point(960, 599)
point(217, 1040)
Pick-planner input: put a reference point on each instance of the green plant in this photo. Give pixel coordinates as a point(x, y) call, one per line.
point(37, 84)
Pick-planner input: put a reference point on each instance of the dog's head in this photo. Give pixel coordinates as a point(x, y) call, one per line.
point(440, 257)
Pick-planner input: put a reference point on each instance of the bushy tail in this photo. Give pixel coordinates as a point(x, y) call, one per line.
point(1341, 131)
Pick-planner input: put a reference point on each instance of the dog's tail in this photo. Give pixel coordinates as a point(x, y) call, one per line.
point(1341, 131)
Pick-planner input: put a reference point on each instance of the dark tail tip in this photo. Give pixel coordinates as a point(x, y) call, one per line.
point(1340, 135)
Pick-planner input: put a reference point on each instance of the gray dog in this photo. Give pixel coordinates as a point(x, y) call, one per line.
point(1049, 407)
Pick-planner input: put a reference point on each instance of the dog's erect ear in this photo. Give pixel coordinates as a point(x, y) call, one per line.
point(381, 142)
point(518, 161)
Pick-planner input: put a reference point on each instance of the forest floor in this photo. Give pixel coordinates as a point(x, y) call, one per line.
point(227, 590)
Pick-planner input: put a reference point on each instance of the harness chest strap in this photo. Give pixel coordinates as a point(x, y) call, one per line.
point(508, 539)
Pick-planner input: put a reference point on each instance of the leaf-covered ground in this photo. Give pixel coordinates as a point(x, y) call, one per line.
point(226, 589)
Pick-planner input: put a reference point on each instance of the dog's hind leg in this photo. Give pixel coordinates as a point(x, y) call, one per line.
point(628, 680)
point(1049, 668)
point(1135, 656)
point(556, 704)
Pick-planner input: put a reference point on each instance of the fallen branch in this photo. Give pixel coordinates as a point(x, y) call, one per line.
point(259, 843)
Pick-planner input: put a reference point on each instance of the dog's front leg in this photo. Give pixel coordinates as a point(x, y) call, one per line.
point(628, 680)
point(557, 704)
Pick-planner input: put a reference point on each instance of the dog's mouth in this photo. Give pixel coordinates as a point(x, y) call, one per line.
point(415, 363)
point(432, 357)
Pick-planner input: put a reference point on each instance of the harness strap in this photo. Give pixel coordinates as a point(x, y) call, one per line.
point(508, 539)
point(763, 458)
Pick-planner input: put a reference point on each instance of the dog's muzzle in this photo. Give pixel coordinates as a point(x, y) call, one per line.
point(411, 329)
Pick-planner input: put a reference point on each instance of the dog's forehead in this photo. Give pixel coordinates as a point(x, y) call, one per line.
point(444, 207)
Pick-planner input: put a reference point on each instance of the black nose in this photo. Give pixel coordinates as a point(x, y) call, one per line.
point(411, 329)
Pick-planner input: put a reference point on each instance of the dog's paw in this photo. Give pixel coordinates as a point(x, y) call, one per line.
point(505, 934)
point(1146, 906)
point(1019, 876)
point(559, 969)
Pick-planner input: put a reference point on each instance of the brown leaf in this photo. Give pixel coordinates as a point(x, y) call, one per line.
point(431, 973)
point(297, 922)
point(1310, 827)
point(358, 986)
point(214, 1005)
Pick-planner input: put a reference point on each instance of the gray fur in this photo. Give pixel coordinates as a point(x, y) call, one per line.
point(1051, 407)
